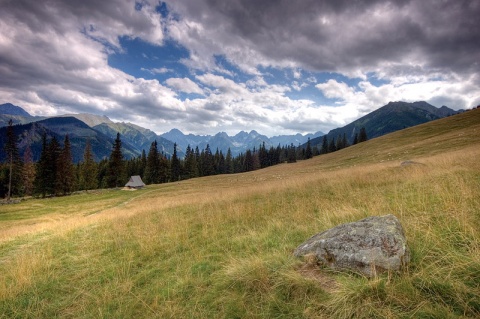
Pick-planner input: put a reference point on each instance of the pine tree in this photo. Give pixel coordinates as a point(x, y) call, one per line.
point(339, 144)
point(248, 163)
point(221, 163)
point(130, 167)
point(355, 139)
point(163, 169)
point(46, 168)
point(324, 149)
point(230, 169)
point(198, 159)
point(331, 146)
point(256, 161)
point(89, 170)
point(263, 156)
point(345, 141)
point(13, 158)
point(362, 137)
point(208, 162)
point(41, 172)
point(238, 163)
point(216, 162)
point(291, 154)
point(143, 164)
point(300, 152)
point(116, 164)
point(28, 171)
point(191, 168)
point(175, 166)
point(276, 158)
point(102, 175)
point(283, 154)
point(65, 177)
point(152, 170)
point(53, 154)
point(308, 150)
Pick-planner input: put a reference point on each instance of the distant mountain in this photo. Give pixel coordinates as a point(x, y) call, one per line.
point(389, 118)
point(183, 140)
point(10, 109)
point(295, 139)
point(80, 126)
point(101, 131)
point(238, 143)
point(221, 141)
point(8, 112)
point(28, 134)
point(78, 132)
point(440, 112)
point(137, 137)
point(89, 119)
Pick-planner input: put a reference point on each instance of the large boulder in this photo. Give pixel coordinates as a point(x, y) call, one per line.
point(368, 246)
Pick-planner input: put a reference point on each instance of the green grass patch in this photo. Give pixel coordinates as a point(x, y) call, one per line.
point(221, 247)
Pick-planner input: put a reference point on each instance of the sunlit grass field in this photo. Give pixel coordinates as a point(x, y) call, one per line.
point(221, 246)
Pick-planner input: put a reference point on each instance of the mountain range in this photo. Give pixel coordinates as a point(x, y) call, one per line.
point(101, 131)
point(389, 118)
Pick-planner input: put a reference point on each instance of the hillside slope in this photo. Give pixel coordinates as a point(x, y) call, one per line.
point(136, 137)
point(221, 246)
point(389, 118)
point(8, 112)
point(58, 127)
point(89, 119)
point(10, 109)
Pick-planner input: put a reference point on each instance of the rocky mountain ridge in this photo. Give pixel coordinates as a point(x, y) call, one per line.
point(389, 118)
point(101, 131)
point(138, 139)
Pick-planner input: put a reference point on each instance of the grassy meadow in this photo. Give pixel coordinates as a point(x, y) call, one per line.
point(221, 246)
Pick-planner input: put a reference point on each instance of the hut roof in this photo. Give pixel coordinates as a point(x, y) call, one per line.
point(135, 182)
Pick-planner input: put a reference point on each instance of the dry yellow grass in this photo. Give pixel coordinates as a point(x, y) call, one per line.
point(221, 246)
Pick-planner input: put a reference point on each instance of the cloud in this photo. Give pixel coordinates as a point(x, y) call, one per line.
point(335, 36)
point(257, 82)
point(184, 85)
point(298, 86)
point(335, 90)
point(297, 74)
point(368, 97)
point(222, 85)
point(157, 70)
point(231, 107)
point(54, 58)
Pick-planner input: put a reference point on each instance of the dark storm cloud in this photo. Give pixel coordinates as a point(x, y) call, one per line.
point(214, 106)
point(47, 40)
point(56, 53)
point(106, 19)
point(340, 35)
point(54, 58)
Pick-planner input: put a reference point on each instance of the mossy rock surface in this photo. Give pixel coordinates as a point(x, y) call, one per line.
point(369, 246)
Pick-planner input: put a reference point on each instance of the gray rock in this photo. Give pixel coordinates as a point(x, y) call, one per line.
point(369, 246)
point(409, 162)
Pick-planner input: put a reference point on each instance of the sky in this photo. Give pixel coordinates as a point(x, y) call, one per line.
point(207, 66)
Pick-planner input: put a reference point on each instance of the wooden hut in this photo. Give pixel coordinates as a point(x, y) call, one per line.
point(135, 182)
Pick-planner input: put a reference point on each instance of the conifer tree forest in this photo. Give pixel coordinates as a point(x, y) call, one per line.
point(55, 174)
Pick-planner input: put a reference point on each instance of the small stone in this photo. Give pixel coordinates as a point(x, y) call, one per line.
point(369, 246)
point(409, 163)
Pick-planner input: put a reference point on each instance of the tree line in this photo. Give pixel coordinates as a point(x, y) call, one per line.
point(55, 174)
